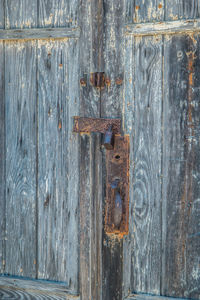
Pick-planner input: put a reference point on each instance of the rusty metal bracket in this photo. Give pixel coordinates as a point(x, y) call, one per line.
point(101, 125)
point(117, 169)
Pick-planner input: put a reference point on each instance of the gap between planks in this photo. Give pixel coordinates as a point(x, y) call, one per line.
point(171, 27)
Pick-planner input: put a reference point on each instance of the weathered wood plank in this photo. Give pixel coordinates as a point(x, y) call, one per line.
point(181, 171)
point(129, 104)
point(58, 161)
point(90, 14)
point(20, 78)
point(144, 11)
point(150, 297)
point(168, 27)
point(20, 110)
point(39, 33)
point(182, 9)
point(20, 14)
point(2, 20)
point(2, 148)
point(112, 106)
point(14, 288)
point(112, 95)
point(145, 169)
point(2, 161)
point(58, 13)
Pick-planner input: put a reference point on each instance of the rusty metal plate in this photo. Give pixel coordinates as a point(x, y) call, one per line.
point(117, 168)
point(96, 125)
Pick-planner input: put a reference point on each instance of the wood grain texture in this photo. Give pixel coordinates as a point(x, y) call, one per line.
point(20, 119)
point(168, 27)
point(39, 33)
point(90, 157)
point(14, 288)
point(62, 13)
point(181, 205)
point(129, 106)
point(112, 106)
point(20, 14)
point(57, 161)
point(2, 160)
point(2, 20)
point(138, 11)
point(111, 96)
point(145, 168)
point(20, 78)
point(150, 297)
point(182, 9)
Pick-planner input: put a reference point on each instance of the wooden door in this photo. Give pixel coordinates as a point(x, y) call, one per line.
point(39, 179)
point(53, 182)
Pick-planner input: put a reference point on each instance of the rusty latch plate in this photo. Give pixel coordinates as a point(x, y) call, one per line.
point(96, 125)
point(117, 167)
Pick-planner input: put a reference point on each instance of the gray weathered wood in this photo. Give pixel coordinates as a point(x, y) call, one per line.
point(14, 288)
point(20, 120)
point(39, 33)
point(62, 13)
point(144, 11)
point(2, 20)
point(58, 161)
point(168, 27)
point(181, 171)
point(150, 297)
point(128, 110)
point(182, 9)
point(145, 100)
point(2, 161)
point(20, 14)
point(112, 106)
point(90, 14)
point(20, 94)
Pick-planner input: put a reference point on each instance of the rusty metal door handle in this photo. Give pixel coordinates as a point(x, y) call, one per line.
point(117, 170)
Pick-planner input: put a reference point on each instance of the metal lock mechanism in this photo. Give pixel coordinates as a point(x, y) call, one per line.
point(117, 169)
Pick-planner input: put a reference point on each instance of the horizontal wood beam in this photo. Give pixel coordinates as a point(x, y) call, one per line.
point(150, 297)
point(171, 27)
point(39, 33)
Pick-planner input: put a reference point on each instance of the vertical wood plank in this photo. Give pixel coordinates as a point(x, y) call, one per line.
point(20, 109)
point(144, 11)
point(20, 14)
point(58, 162)
point(2, 161)
point(129, 107)
point(181, 205)
point(182, 9)
point(145, 169)
point(2, 20)
point(90, 20)
point(20, 96)
point(2, 150)
point(62, 13)
point(112, 106)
